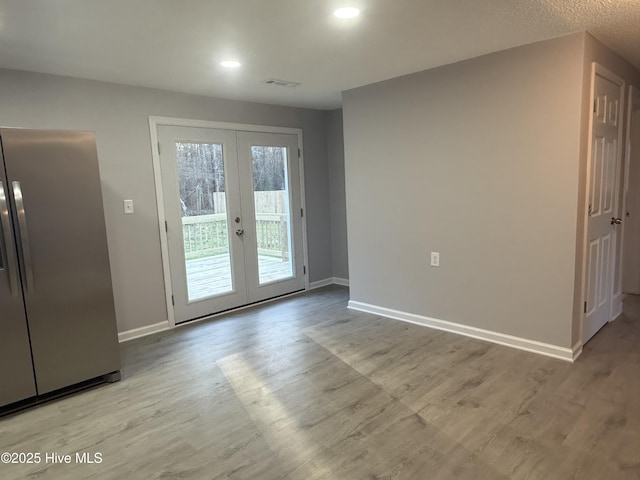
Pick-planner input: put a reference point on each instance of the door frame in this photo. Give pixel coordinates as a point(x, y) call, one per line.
point(597, 69)
point(154, 122)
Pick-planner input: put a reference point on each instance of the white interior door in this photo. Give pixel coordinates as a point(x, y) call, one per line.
point(603, 200)
point(233, 217)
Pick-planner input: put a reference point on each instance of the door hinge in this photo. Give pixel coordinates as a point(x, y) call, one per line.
point(299, 153)
point(304, 269)
point(173, 302)
point(158, 148)
point(595, 102)
point(302, 212)
point(166, 226)
point(585, 307)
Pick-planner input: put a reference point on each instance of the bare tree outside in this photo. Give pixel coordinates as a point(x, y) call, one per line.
point(201, 175)
point(269, 168)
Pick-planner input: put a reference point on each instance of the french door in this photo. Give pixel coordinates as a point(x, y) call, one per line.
point(233, 209)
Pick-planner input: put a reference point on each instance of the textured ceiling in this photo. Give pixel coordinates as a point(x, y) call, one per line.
point(175, 45)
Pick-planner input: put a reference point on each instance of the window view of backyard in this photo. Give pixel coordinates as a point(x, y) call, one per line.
point(204, 217)
point(271, 200)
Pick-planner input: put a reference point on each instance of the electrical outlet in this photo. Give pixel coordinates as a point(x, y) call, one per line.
point(128, 207)
point(435, 259)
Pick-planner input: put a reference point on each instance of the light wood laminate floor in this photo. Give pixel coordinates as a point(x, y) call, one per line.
point(304, 388)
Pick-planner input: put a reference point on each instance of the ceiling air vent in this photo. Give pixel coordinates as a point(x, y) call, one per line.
point(282, 83)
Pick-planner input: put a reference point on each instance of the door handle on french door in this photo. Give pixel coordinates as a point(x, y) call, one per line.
point(9, 247)
point(24, 235)
point(240, 232)
point(616, 221)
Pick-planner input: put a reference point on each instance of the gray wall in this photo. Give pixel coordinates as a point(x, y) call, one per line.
point(479, 161)
point(335, 152)
point(631, 260)
point(120, 117)
point(595, 51)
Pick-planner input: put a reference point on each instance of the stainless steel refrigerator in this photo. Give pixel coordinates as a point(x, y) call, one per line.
point(57, 318)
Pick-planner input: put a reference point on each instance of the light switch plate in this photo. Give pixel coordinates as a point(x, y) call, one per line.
point(128, 207)
point(435, 259)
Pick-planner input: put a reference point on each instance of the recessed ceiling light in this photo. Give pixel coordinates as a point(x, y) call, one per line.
point(230, 63)
point(347, 12)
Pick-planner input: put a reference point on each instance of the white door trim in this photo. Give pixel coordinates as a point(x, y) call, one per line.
point(597, 69)
point(154, 122)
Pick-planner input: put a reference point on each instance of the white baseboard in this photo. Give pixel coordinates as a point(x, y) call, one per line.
point(576, 351)
point(329, 281)
point(142, 331)
point(320, 283)
point(534, 346)
point(616, 307)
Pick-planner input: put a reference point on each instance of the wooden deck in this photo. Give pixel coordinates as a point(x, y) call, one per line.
point(211, 276)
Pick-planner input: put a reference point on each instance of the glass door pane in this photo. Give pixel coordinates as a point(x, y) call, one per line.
point(272, 213)
point(205, 230)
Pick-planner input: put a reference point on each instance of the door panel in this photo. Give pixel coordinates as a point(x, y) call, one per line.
point(609, 173)
point(62, 252)
point(604, 289)
point(592, 274)
point(603, 204)
point(596, 177)
point(203, 212)
point(272, 208)
point(17, 380)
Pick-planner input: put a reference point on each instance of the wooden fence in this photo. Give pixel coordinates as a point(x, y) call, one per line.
point(265, 202)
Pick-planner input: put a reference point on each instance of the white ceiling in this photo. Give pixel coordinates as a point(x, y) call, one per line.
point(176, 44)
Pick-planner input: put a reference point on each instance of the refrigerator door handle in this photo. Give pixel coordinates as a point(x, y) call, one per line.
point(24, 236)
point(9, 247)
